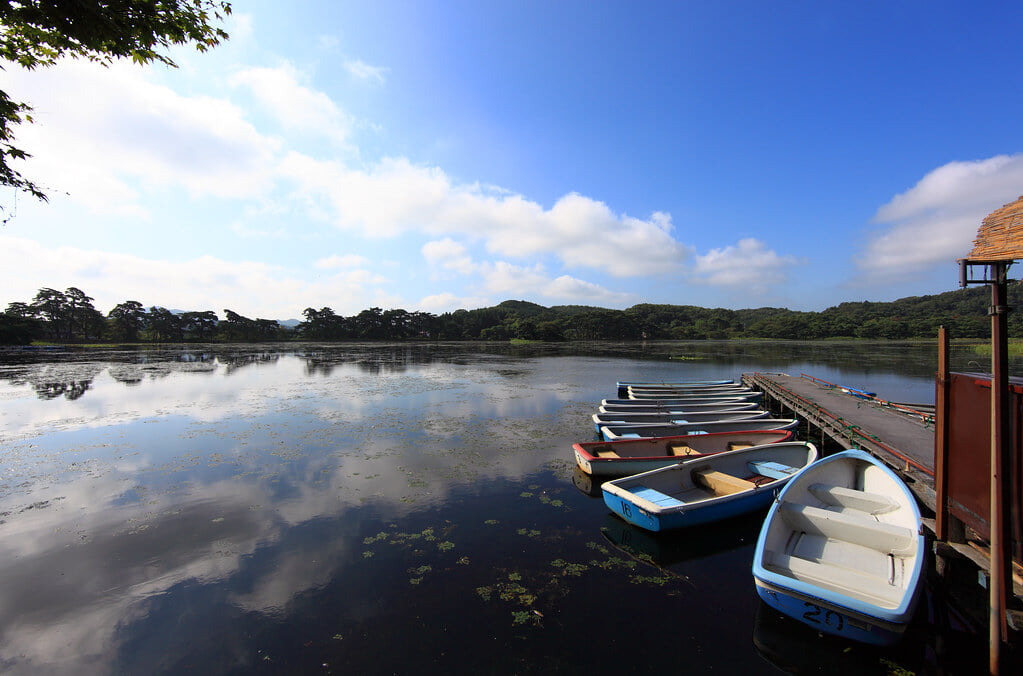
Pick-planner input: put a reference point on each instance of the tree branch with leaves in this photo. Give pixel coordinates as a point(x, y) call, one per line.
point(36, 33)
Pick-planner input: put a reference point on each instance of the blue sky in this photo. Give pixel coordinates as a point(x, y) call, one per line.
point(442, 155)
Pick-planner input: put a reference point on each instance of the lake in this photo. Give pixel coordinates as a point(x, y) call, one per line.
point(383, 508)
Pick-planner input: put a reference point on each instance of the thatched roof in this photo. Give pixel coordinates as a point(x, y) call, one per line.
point(1000, 237)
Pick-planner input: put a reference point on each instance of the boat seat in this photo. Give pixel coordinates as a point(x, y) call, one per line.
point(736, 445)
point(847, 581)
point(682, 450)
point(607, 454)
point(840, 496)
point(775, 470)
point(886, 538)
point(721, 483)
point(655, 496)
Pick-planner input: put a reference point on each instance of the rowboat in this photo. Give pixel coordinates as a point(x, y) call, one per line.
point(842, 550)
point(632, 456)
point(682, 402)
point(668, 417)
point(707, 488)
point(654, 407)
point(746, 395)
point(670, 391)
point(622, 384)
point(639, 430)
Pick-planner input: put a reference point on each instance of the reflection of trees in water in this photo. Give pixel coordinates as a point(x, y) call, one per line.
point(69, 372)
point(70, 390)
point(239, 360)
point(52, 381)
point(322, 364)
point(374, 359)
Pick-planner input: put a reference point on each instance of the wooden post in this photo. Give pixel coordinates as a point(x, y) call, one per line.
point(941, 437)
point(1001, 571)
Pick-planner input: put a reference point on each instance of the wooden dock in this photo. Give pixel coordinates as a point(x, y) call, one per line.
point(902, 437)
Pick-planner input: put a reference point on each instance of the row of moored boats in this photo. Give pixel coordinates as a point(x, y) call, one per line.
point(841, 547)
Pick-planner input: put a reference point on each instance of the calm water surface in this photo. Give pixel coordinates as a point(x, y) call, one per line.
point(379, 509)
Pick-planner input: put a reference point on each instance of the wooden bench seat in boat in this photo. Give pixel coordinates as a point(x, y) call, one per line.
point(682, 450)
point(847, 581)
point(607, 454)
point(721, 483)
point(840, 496)
point(886, 538)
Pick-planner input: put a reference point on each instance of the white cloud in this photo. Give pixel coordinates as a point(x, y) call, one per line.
point(395, 196)
point(749, 264)
point(346, 261)
point(570, 290)
point(294, 105)
point(505, 280)
point(450, 255)
point(449, 302)
point(935, 221)
point(364, 71)
point(127, 134)
point(249, 288)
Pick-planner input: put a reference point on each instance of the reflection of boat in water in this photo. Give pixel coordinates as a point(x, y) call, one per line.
point(795, 648)
point(666, 549)
point(586, 483)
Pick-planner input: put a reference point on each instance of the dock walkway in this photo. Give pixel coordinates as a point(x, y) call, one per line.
point(904, 441)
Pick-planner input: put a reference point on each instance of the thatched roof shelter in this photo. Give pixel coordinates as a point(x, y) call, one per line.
point(1000, 237)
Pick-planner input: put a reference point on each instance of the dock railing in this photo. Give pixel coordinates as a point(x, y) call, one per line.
point(927, 418)
point(836, 425)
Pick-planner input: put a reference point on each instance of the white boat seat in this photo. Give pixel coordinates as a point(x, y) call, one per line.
point(849, 582)
point(840, 496)
point(886, 538)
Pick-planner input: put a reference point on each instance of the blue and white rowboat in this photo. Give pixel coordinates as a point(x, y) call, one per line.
point(707, 488)
point(668, 417)
point(841, 550)
point(639, 430)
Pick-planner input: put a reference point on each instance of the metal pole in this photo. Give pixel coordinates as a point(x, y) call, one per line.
point(1001, 583)
point(941, 437)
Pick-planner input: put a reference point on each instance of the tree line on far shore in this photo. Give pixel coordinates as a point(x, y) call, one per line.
point(69, 317)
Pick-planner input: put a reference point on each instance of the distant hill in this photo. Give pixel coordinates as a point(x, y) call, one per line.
point(963, 312)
